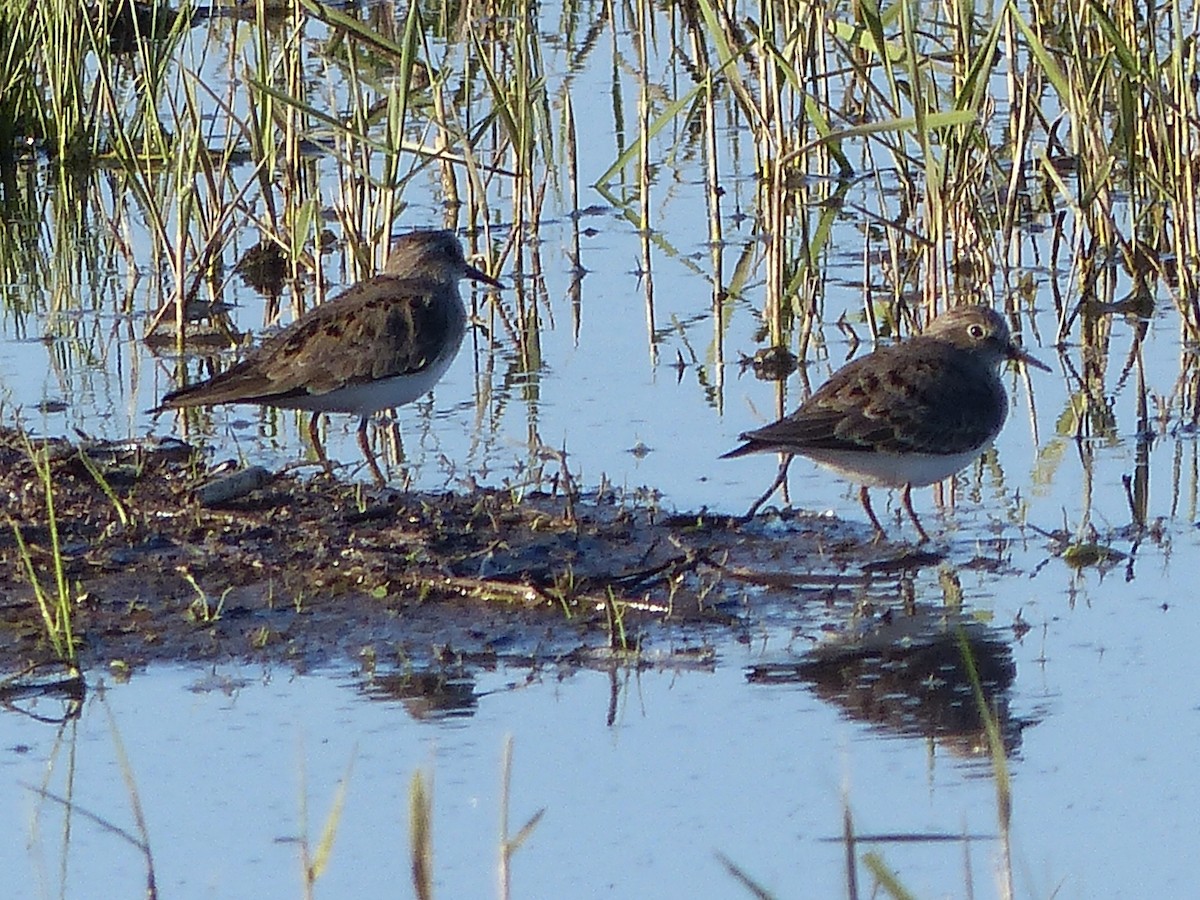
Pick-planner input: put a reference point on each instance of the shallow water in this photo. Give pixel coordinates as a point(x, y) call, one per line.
point(693, 763)
point(646, 774)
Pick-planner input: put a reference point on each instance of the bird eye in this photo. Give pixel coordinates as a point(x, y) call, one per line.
point(976, 331)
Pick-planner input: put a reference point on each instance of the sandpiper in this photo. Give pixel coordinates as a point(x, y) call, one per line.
point(380, 344)
point(907, 415)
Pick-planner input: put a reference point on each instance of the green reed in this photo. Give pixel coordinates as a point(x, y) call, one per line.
point(511, 843)
point(823, 93)
point(68, 121)
point(315, 860)
point(55, 606)
point(62, 63)
point(18, 98)
point(952, 133)
point(998, 755)
point(420, 835)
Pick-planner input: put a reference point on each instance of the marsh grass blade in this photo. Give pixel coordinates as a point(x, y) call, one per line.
point(420, 836)
point(56, 609)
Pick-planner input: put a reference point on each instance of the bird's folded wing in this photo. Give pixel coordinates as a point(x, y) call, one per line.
point(384, 337)
point(363, 335)
point(936, 404)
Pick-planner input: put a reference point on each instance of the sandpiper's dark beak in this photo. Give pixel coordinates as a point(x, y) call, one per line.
point(1016, 354)
point(479, 275)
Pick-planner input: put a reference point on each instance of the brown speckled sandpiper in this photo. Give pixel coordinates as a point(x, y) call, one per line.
point(906, 415)
point(380, 344)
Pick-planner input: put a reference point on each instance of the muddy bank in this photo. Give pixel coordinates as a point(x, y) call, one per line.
point(419, 592)
point(308, 569)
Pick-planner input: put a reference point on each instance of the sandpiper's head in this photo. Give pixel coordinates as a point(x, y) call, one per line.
point(983, 330)
point(434, 255)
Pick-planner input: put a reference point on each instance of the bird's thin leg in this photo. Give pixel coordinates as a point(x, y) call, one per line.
point(864, 498)
point(367, 454)
point(314, 435)
point(779, 479)
point(906, 497)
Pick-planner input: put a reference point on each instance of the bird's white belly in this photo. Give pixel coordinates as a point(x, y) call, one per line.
point(893, 470)
point(369, 397)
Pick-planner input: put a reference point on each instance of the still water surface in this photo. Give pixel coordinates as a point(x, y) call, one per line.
point(694, 763)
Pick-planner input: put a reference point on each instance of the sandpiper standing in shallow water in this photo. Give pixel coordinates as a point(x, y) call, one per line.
point(905, 415)
point(380, 344)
